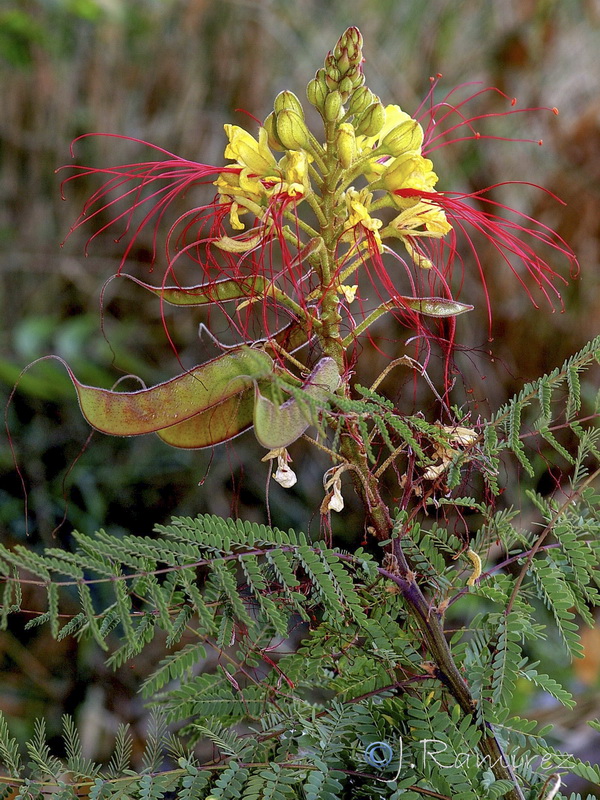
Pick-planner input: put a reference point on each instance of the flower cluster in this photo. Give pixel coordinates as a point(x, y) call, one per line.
point(313, 218)
point(309, 241)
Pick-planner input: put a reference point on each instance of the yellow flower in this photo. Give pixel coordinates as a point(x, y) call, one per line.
point(400, 132)
point(421, 218)
point(409, 171)
point(294, 166)
point(260, 177)
point(358, 204)
point(394, 116)
point(244, 149)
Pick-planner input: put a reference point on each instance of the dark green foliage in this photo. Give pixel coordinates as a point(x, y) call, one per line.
point(290, 658)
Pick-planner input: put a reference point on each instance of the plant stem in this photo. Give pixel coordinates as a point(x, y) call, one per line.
point(427, 617)
point(379, 520)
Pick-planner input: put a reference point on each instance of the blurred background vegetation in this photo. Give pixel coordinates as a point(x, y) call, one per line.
point(172, 72)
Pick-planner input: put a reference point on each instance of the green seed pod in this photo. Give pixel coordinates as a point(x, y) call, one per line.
point(346, 144)
point(290, 101)
point(291, 130)
point(372, 120)
point(333, 106)
point(404, 137)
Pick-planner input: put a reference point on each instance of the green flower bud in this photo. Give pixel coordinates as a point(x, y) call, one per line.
point(317, 91)
point(333, 106)
point(404, 137)
point(356, 76)
point(345, 87)
point(346, 144)
point(291, 130)
point(349, 47)
point(270, 126)
point(290, 101)
point(332, 73)
point(361, 98)
point(372, 120)
point(343, 63)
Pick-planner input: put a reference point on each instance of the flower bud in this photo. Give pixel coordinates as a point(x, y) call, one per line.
point(361, 98)
point(332, 73)
point(343, 62)
point(272, 139)
point(346, 144)
point(288, 100)
point(356, 76)
point(291, 130)
point(371, 121)
point(333, 106)
point(345, 87)
point(349, 48)
point(404, 137)
point(317, 90)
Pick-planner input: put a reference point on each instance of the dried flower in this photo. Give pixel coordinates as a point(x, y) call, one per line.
point(285, 475)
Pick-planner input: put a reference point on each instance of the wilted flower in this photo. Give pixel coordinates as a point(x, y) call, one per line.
point(443, 454)
point(284, 475)
point(332, 483)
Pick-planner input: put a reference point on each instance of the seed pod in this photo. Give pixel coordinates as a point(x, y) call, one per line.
point(333, 106)
point(371, 121)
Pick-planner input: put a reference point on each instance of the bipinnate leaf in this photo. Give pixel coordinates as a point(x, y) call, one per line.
point(278, 426)
point(199, 391)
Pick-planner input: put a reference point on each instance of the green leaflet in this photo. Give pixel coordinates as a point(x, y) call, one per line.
point(279, 426)
point(211, 391)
